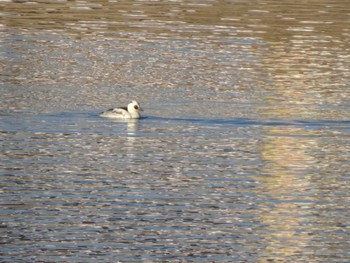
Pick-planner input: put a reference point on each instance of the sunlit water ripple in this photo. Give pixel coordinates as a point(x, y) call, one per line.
point(242, 154)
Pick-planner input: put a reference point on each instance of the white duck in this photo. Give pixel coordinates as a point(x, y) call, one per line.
point(132, 111)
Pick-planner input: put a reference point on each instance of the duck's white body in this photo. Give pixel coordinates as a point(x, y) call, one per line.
point(132, 111)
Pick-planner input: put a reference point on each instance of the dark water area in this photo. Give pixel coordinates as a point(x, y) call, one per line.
point(242, 153)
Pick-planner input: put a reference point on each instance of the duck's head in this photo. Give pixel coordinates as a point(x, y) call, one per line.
point(134, 109)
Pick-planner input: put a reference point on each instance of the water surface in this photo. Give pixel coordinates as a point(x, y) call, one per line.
point(242, 154)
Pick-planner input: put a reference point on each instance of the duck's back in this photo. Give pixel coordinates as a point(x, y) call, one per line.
point(121, 112)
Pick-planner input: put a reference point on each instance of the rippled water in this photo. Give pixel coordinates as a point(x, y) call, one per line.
point(242, 154)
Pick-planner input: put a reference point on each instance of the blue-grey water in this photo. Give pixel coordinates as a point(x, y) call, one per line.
point(242, 154)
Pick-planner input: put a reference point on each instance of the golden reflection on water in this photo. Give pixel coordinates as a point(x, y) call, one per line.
point(296, 177)
point(285, 179)
point(286, 148)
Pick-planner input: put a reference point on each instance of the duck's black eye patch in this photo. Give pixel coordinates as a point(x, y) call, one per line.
point(136, 107)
